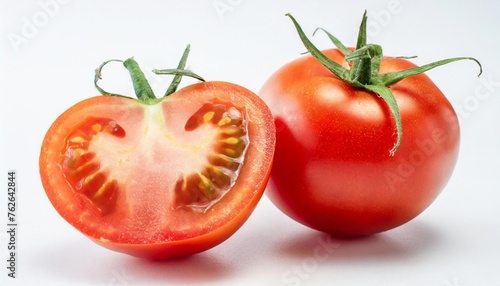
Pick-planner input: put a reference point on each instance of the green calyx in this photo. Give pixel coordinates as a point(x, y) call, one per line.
point(142, 88)
point(364, 71)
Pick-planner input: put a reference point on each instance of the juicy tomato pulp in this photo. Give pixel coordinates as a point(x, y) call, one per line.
point(161, 180)
point(332, 169)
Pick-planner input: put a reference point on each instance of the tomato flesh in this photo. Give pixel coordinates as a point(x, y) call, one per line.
point(130, 175)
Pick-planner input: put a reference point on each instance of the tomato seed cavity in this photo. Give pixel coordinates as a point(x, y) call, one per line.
point(199, 190)
point(82, 171)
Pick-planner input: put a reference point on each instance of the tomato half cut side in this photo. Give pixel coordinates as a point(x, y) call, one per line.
point(161, 179)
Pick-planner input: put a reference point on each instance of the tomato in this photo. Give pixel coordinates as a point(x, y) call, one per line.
point(341, 165)
point(159, 178)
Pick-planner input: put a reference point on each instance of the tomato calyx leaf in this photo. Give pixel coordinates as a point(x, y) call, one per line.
point(391, 78)
point(365, 62)
point(98, 76)
point(389, 98)
point(178, 72)
point(142, 88)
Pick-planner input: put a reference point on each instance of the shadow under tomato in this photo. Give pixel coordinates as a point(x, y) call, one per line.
point(195, 269)
point(406, 241)
point(98, 266)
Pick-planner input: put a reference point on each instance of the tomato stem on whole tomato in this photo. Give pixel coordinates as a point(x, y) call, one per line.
point(361, 70)
point(142, 88)
point(364, 71)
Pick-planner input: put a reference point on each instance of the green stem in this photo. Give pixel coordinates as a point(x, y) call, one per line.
point(362, 32)
point(335, 41)
point(332, 66)
point(98, 76)
point(361, 70)
point(391, 78)
point(179, 72)
point(364, 74)
point(177, 78)
point(389, 98)
point(142, 88)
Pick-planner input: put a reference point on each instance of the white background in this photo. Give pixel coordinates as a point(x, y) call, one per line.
point(49, 50)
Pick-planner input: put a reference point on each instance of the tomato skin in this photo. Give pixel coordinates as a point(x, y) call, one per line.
point(188, 232)
point(332, 168)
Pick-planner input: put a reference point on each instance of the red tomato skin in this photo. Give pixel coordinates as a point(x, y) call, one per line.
point(245, 195)
point(332, 169)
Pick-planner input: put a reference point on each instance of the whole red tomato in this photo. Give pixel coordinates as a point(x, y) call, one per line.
point(364, 143)
point(159, 178)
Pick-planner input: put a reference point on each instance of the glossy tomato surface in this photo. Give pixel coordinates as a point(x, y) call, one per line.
point(160, 180)
point(333, 171)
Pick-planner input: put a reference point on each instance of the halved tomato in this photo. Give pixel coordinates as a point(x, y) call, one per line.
point(159, 178)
